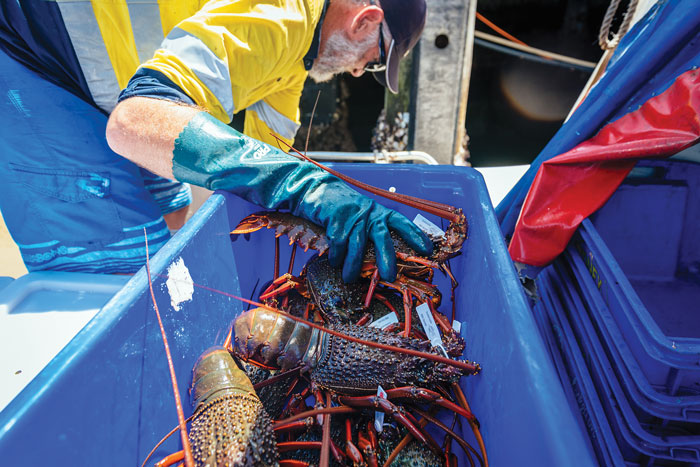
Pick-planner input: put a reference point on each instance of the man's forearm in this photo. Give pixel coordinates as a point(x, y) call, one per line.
point(144, 131)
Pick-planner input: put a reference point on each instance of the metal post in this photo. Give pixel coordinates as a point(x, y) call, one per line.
point(442, 66)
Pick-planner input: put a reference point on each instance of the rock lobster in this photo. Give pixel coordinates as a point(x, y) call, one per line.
point(229, 425)
point(414, 271)
point(348, 363)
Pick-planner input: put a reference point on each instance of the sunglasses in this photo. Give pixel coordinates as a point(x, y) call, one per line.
point(374, 67)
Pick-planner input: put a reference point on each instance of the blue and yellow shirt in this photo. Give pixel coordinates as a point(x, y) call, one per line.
point(225, 55)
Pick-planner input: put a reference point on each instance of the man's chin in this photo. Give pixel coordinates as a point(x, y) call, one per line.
point(320, 77)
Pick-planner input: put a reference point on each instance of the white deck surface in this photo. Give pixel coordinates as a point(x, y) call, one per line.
point(499, 180)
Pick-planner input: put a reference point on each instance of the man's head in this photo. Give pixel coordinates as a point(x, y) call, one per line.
point(372, 35)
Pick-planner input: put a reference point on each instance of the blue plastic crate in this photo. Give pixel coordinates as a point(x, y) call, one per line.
point(40, 313)
point(637, 433)
point(107, 395)
point(649, 398)
point(573, 373)
point(641, 251)
point(577, 385)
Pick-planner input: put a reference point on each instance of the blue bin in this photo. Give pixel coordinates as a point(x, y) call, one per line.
point(652, 399)
point(641, 251)
point(106, 398)
point(573, 373)
point(638, 434)
point(107, 395)
point(40, 313)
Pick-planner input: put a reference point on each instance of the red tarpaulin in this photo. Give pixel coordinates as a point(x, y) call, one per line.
point(571, 186)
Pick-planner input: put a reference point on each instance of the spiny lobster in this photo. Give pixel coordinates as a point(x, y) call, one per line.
point(413, 269)
point(350, 362)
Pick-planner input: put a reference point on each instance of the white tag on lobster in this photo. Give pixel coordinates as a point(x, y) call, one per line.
point(429, 326)
point(379, 416)
point(457, 326)
point(385, 321)
point(428, 227)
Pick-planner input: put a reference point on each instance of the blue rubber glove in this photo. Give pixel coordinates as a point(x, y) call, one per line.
point(213, 155)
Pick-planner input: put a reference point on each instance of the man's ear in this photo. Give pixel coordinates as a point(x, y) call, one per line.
point(365, 20)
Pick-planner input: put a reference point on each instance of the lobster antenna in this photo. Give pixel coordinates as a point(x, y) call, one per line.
point(189, 460)
point(311, 120)
point(439, 209)
point(177, 427)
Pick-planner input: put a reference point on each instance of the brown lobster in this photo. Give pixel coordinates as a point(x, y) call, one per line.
point(350, 362)
point(412, 268)
point(229, 425)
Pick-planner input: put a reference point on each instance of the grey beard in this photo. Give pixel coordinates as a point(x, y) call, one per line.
point(338, 56)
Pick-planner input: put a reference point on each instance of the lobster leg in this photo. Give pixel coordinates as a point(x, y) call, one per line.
point(372, 285)
point(462, 399)
point(293, 463)
point(440, 319)
point(467, 448)
point(326, 438)
point(428, 396)
point(276, 271)
point(288, 283)
point(364, 320)
point(417, 259)
point(320, 404)
point(296, 401)
point(407, 309)
point(402, 417)
point(350, 449)
point(296, 425)
point(291, 259)
point(368, 444)
point(295, 445)
point(171, 459)
point(423, 290)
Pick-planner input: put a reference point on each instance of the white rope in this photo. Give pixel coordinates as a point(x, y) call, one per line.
point(604, 40)
point(532, 50)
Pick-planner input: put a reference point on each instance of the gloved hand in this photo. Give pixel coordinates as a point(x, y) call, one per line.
point(211, 154)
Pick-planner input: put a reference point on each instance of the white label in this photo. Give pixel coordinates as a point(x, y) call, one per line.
point(428, 227)
point(385, 321)
point(429, 326)
point(379, 416)
point(457, 326)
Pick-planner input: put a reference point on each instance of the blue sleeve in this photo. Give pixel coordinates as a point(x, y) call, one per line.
point(152, 83)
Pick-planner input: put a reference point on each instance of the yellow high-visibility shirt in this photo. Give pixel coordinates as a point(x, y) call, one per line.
point(244, 54)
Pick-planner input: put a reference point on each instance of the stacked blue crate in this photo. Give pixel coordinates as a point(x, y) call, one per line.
point(619, 309)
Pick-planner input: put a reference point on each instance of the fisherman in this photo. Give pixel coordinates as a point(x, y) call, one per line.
point(72, 204)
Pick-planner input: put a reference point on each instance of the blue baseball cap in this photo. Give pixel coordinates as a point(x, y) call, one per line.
point(406, 20)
